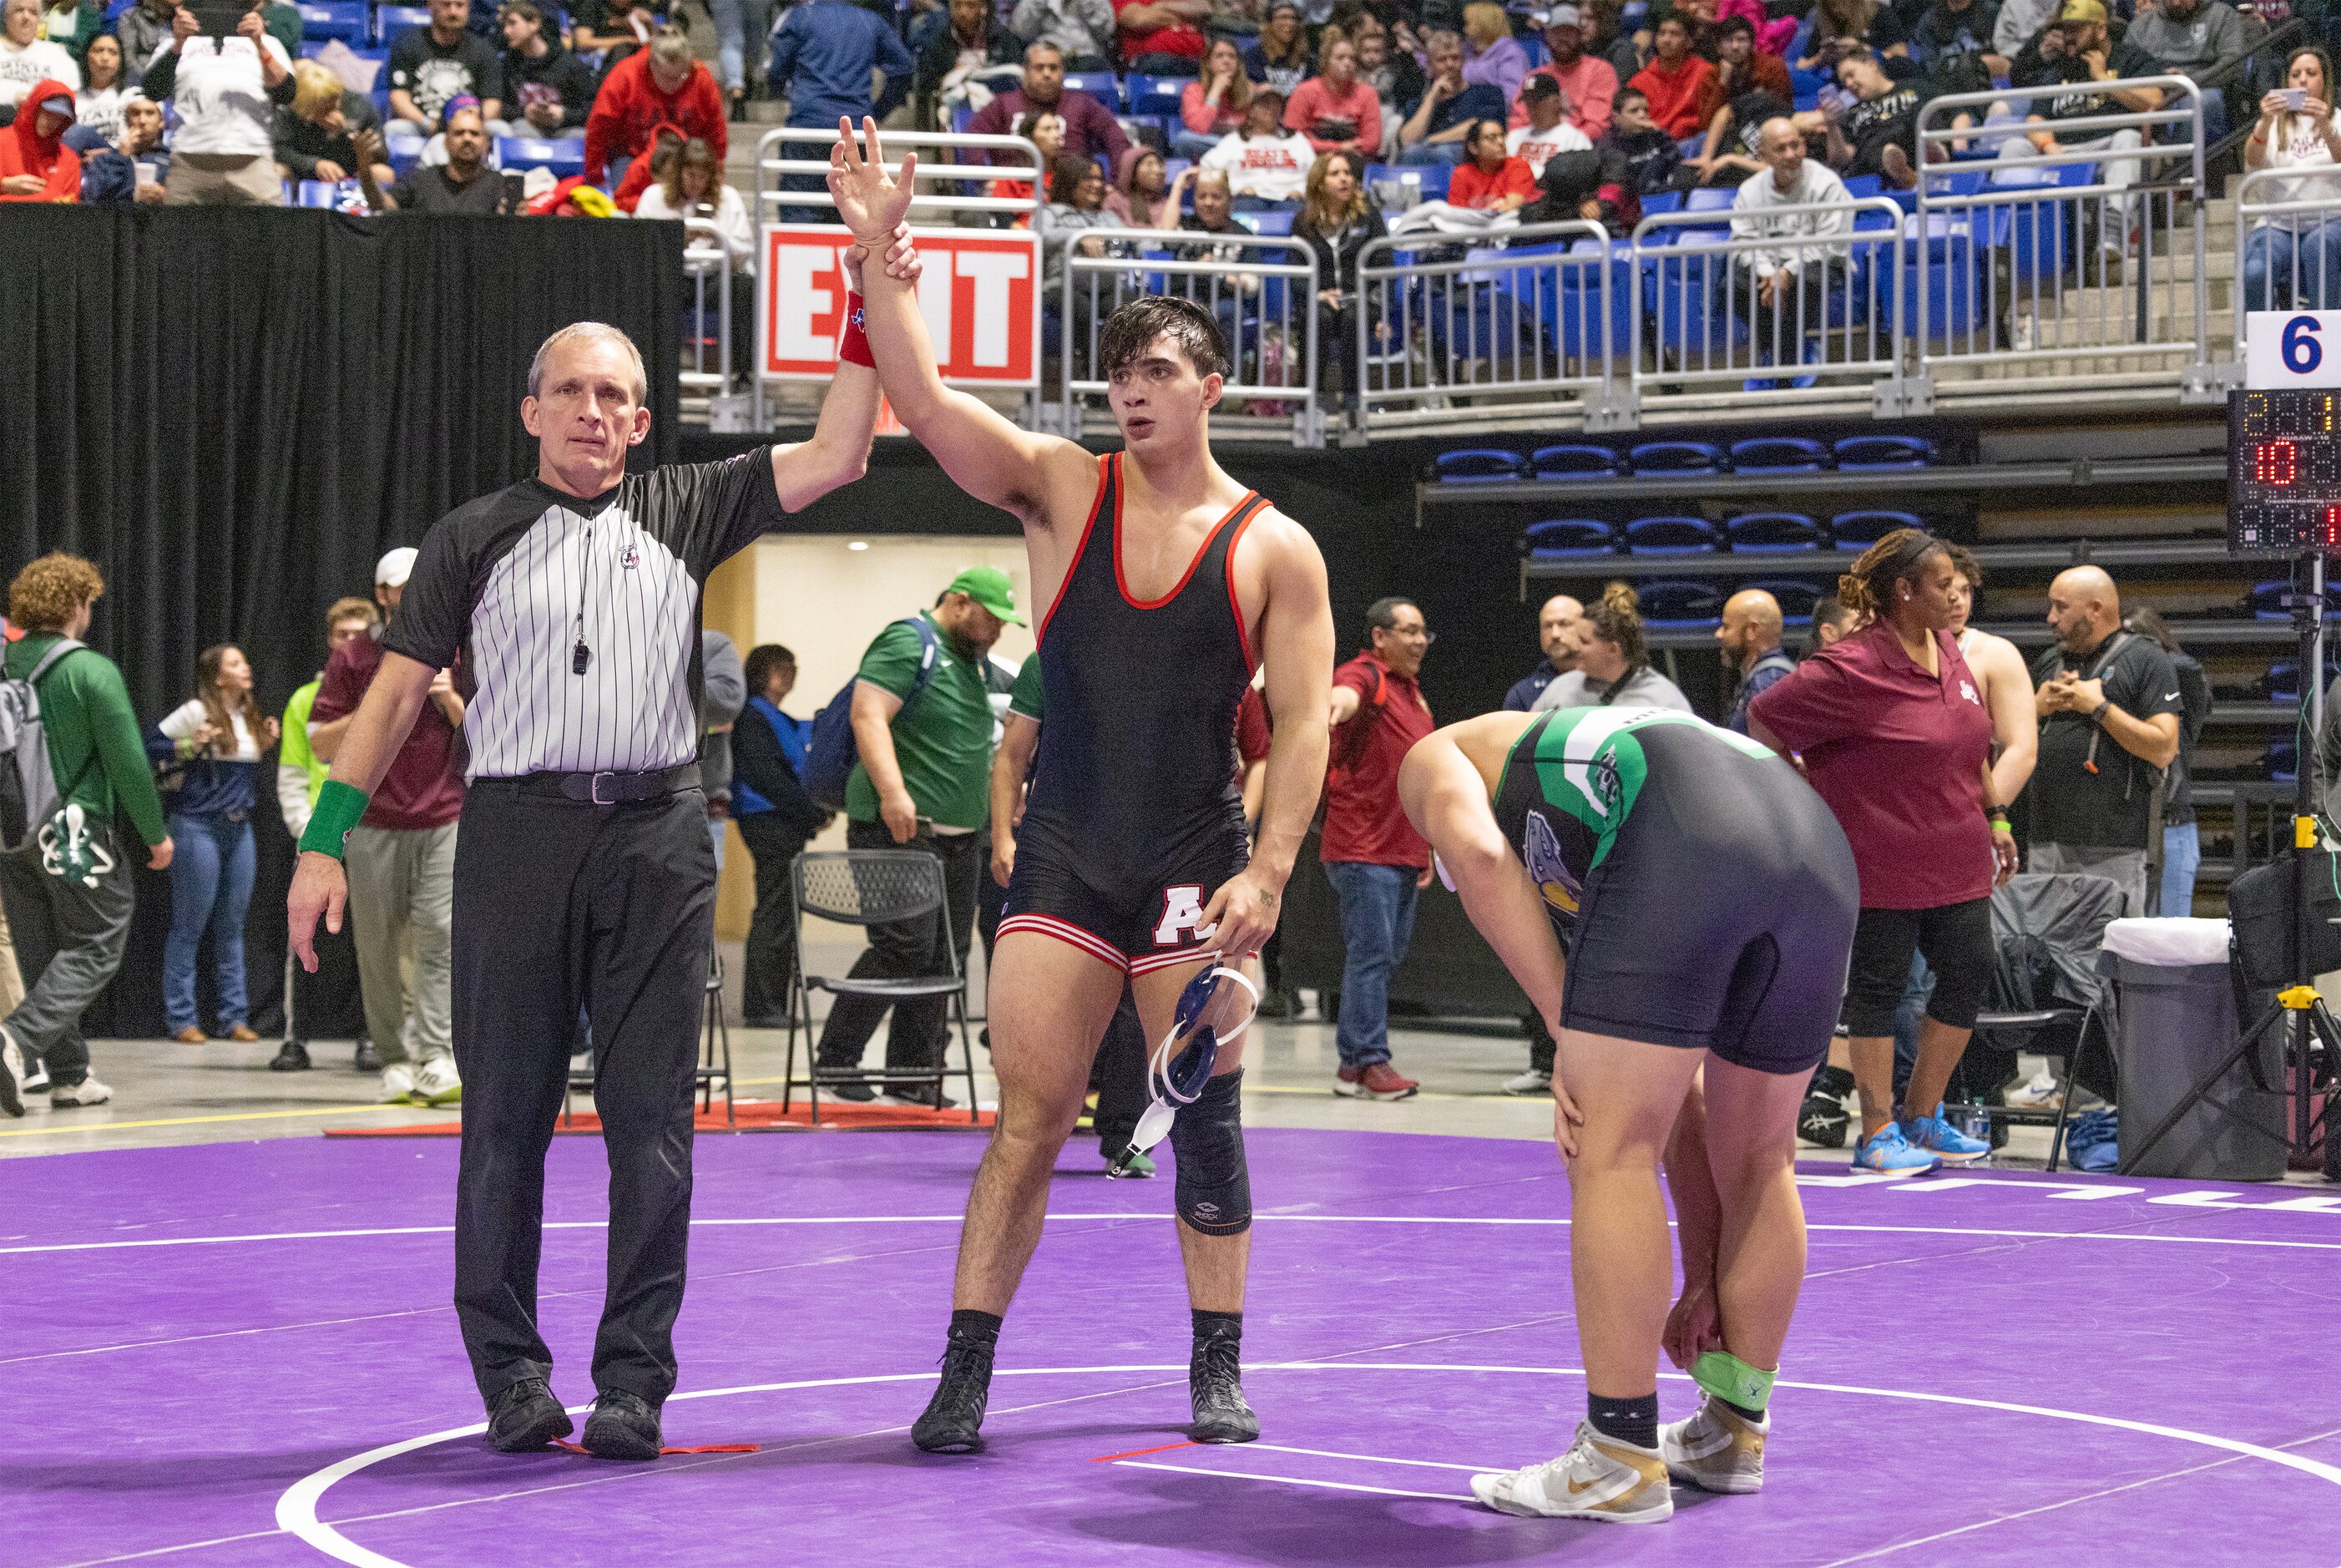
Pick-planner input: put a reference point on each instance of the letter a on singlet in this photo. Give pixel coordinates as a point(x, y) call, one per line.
point(1182, 911)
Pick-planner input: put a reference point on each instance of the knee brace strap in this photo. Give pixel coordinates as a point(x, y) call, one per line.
point(1213, 1191)
point(1726, 1376)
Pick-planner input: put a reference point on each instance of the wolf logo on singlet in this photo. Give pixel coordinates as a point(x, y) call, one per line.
point(1134, 818)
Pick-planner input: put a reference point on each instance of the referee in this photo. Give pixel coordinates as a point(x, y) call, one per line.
point(584, 876)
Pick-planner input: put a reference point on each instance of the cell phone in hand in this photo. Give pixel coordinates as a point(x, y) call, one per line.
point(2295, 99)
point(217, 18)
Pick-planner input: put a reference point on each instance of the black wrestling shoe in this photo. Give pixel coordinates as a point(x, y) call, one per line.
point(622, 1426)
point(526, 1416)
point(291, 1057)
point(1215, 1383)
point(953, 1419)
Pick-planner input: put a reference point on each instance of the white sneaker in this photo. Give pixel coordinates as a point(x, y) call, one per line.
point(398, 1084)
point(2036, 1093)
point(1599, 1478)
point(1530, 1083)
point(1716, 1449)
point(437, 1084)
point(12, 1073)
point(36, 1081)
point(88, 1091)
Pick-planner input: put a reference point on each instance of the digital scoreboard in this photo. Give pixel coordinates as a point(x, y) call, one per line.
point(2284, 471)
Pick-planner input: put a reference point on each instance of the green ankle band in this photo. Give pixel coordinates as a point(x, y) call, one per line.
point(339, 808)
point(1727, 1377)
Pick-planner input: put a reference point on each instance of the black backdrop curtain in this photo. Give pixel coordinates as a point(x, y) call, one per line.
point(234, 412)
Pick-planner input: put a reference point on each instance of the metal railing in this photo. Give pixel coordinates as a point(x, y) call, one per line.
point(707, 266)
point(1261, 289)
point(1534, 323)
point(1827, 317)
point(2294, 239)
point(2087, 262)
point(792, 169)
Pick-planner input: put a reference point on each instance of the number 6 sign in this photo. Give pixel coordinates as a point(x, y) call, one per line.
point(2292, 348)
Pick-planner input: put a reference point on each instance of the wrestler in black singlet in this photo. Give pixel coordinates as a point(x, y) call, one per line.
point(1134, 818)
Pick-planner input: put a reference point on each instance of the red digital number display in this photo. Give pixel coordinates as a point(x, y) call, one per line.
point(2275, 463)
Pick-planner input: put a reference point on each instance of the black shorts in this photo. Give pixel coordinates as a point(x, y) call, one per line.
point(1956, 939)
point(1136, 925)
point(1720, 920)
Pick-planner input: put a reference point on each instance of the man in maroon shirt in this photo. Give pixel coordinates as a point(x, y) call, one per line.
point(1374, 858)
point(401, 862)
point(1090, 129)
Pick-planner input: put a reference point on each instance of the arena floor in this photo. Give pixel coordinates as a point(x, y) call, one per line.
point(242, 1353)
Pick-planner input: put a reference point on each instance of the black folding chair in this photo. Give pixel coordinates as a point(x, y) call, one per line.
point(715, 1044)
point(870, 887)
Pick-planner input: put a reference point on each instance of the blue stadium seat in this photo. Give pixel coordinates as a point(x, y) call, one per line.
point(1103, 85)
point(1779, 454)
point(1273, 223)
point(1860, 530)
point(1709, 198)
point(1877, 451)
point(1678, 457)
point(1569, 538)
point(1157, 94)
point(1773, 532)
point(2282, 682)
point(2265, 600)
point(1574, 460)
point(1796, 599)
point(1671, 536)
point(390, 21)
point(1477, 465)
point(316, 194)
point(1679, 605)
point(2282, 762)
point(1662, 202)
point(563, 156)
point(347, 20)
point(1862, 187)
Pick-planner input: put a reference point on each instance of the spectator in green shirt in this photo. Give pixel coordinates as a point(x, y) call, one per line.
point(300, 774)
point(70, 929)
point(923, 782)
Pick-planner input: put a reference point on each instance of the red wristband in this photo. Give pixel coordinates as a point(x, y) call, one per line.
point(854, 348)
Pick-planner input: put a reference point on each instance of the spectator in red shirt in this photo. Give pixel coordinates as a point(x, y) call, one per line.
point(1373, 857)
point(1161, 37)
point(35, 165)
point(1892, 727)
point(1675, 81)
point(1490, 180)
point(401, 861)
point(1090, 129)
point(1587, 83)
point(1338, 112)
point(659, 84)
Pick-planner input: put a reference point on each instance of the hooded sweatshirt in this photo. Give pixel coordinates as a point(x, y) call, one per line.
point(1126, 206)
point(630, 109)
point(25, 150)
point(629, 194)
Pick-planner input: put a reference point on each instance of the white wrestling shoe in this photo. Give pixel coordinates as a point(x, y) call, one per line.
point(1599, 1478)
point(1717, 1449)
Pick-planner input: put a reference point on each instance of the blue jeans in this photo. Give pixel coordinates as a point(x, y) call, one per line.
point(1377, 924)
point(1448, 153)
point(2271, 255)
point(737, 22)
point(2182, 857)
point(211, 892)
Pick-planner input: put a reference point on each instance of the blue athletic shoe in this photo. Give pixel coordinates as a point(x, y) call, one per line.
point(1888, 1150)
point(1934, 1133)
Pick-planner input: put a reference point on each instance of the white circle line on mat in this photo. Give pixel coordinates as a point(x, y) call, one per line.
point(296, 1510)
point(1262, 1219)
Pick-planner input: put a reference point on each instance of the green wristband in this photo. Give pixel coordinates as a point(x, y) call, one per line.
point(340, 806)
point(1726, 1376)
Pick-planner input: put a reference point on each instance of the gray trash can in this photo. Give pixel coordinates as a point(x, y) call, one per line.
point(2176, 1021)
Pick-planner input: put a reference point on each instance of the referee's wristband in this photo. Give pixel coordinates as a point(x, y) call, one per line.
point(339, 808)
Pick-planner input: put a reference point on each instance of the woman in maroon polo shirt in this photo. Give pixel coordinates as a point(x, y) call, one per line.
point(1893, 732)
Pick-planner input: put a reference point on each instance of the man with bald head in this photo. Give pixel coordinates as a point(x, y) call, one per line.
point(1560, 613)
point(1802, 212)
point(2109, 706)
point(1751, 636)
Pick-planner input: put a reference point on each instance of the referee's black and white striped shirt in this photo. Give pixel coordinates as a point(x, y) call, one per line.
point(502, 580)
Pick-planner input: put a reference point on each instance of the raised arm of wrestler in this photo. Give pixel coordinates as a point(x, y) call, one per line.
point(595, 407)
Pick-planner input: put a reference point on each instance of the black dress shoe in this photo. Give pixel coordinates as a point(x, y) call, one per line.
point(622, 1426)
point(526, 1416)
point(953, 1419)
point(1215, 1383)
point(293, 1057)
point(847, 1087)
point(928, 1096)
point(369, 1060)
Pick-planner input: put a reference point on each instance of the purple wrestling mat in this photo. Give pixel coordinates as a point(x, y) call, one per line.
point(245, 1354)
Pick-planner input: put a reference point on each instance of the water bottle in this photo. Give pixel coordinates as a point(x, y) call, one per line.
point(1975, 1123)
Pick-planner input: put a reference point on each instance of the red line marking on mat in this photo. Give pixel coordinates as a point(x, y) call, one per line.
point(1135, 1453)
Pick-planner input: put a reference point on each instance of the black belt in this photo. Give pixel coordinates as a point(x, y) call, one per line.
point(606, 788)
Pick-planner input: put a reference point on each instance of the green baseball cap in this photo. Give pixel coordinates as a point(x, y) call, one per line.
point(989, 586)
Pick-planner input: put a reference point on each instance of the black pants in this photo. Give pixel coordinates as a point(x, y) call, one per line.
point(560, 909)
point(1118, 1076)
point(900, 949)
point(1798, 312)
point(768, 966)
point(310, 1003)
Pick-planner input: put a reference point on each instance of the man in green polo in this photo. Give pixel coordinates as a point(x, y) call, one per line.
point(922, 729)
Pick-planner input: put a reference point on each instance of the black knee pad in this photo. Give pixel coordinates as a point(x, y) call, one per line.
point(1214, 1187)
